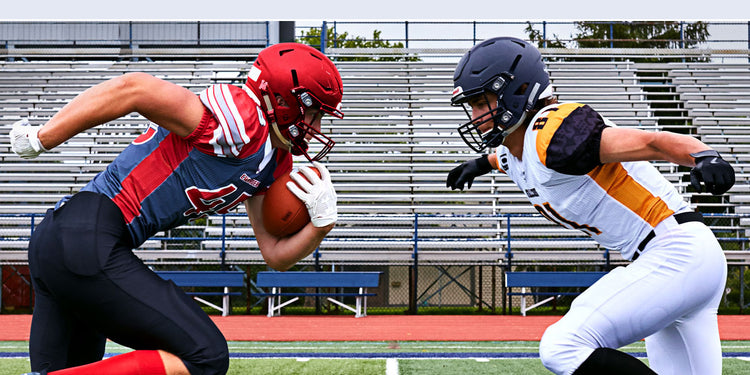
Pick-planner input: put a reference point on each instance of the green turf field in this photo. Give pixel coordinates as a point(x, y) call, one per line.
point(390, 358)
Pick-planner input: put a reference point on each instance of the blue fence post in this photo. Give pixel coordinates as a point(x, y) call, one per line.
point(606, 260)
point(611, 34)
point(130, 34)
point(508, 251)
point(682, 37)
point(335, 36)
point(198, 32)
point(223, 239)
point(268, 33)
point(415, 267)
point(323, 36)
point(742, 287)
point(316, 266)
point(406, 34)
point(130, 42)
point(316, 258)
point(33, 223)
point(474, 35)
point(682, 34)
point(544, 33)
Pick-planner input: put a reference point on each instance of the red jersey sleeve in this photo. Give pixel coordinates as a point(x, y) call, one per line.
point(233, 124)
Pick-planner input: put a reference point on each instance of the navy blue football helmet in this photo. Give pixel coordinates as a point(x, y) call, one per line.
point(508, 67)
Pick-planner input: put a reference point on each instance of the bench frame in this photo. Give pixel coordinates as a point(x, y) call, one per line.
point(208, 279)
point(548, 280)
point(301, 279)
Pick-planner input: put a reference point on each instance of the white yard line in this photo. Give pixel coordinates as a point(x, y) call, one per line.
point(391, 366)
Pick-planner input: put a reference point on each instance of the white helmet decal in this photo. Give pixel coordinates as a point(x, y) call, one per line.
point(254, 73)
point(457, 91)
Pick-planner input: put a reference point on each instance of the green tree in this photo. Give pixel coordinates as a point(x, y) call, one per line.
point(657, 34)
point(343, 40)
point(536, 36)
point(642, 34)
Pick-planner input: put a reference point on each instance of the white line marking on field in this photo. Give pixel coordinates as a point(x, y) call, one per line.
point(391, 366)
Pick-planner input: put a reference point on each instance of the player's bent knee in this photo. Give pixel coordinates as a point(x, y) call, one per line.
point(212, 358)
point(561, 351)
point(217, 364)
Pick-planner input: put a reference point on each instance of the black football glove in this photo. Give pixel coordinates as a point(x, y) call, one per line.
point(467, 171)
point(714, 171)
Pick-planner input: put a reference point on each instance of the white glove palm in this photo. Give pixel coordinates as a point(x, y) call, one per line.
point(317, 193)
point(24, 139)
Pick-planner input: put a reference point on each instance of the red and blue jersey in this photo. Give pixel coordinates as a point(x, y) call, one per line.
point(161, 180)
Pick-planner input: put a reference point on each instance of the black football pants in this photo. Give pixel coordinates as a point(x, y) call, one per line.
point(89, 287)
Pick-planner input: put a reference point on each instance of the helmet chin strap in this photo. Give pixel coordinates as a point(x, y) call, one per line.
point(280, 136)
point(529, 105)
point(514, 127)
point(286, 142)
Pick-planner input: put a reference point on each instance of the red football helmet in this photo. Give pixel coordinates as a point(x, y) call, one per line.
point(305, 79)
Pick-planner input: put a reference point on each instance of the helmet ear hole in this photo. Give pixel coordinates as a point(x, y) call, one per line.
point(280, 100)
point(521, 89)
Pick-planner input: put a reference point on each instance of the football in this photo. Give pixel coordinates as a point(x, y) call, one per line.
point(283, 213)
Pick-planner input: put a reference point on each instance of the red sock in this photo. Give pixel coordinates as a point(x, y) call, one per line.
point(139, 362)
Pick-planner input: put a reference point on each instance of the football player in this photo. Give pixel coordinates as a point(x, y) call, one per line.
point(581, 171)
point(204, 154)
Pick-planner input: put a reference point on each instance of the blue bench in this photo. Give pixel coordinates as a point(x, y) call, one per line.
point(208, 279)
point(525, 280)
point(339, 280)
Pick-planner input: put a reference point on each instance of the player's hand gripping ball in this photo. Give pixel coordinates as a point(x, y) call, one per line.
point(292, 200)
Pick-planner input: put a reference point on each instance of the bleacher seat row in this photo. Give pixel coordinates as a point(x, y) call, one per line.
point(394, 146)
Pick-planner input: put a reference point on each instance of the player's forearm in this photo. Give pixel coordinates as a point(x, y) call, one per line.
point(622, 144)
point(492, 158)
point(676, 148)
point(286, 252)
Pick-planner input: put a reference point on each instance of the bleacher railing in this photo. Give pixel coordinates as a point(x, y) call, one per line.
point(436, 233)
point(454, 37)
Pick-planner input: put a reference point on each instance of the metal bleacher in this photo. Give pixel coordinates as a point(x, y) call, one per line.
point(717, 97)
point(393, 150)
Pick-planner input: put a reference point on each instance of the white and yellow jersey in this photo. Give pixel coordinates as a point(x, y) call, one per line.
point(618, 204)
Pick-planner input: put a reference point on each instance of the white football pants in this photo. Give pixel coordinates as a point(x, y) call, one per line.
point(669, 296)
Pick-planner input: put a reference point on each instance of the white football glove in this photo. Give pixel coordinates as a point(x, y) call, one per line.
point(317, 193)
point(24, 140)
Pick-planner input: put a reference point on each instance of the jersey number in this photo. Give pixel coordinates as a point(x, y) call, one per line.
point(206, 201)
point(547, 211)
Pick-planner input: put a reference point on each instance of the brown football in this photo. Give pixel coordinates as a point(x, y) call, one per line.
point(283, 213)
